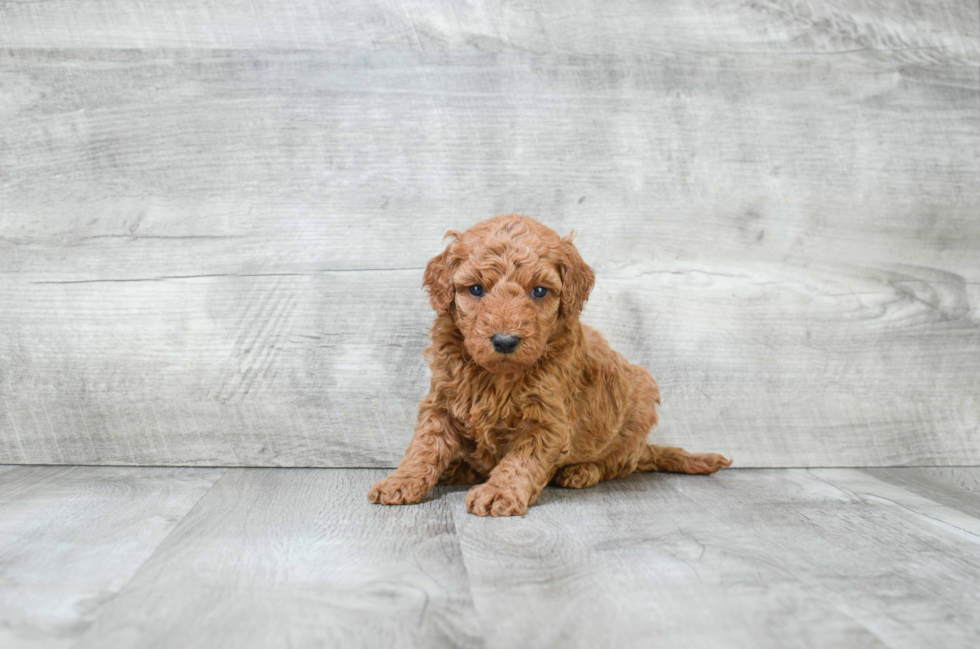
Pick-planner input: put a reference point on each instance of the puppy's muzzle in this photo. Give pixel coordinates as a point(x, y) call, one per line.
point(505, 343)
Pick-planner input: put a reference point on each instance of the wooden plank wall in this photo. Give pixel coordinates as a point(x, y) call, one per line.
point(214, 217)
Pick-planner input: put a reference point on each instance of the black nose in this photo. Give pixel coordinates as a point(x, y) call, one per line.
point(505, 343)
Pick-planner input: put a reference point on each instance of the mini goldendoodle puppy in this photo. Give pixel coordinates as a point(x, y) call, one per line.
point(522, 393)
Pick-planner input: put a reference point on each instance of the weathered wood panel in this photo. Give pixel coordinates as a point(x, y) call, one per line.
point(71, 538)
point(300, 559)
point(826, 558)
point(213, 257)
point(308, 370)
point(920, 30)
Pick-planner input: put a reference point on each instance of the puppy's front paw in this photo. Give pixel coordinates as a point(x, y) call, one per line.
point(398, 490)
point(493, 500)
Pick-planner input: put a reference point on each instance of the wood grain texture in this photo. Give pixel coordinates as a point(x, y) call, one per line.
point(283, 557)
point(954, 487)
point(298, 558)
point(934, 30)
point(212, 256)
point(742, 559)
point(71, 538)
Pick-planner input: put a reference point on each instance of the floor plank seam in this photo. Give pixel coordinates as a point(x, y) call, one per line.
point(839, 488)
point(139, 568)
point(816, 591)
point(918, 513)
point(481, 618)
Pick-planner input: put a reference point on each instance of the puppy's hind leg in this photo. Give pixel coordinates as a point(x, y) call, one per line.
point(676, 460)
point(578, 476)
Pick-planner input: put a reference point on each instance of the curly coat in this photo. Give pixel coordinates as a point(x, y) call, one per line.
point(563, 407)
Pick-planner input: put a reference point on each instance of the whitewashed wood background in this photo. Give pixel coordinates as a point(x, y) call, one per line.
point(214, 217)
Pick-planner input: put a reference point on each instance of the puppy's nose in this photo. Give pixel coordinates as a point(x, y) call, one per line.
point(505, 343)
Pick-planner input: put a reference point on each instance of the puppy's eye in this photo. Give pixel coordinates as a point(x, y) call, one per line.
point(539, 291)
point(476, 290)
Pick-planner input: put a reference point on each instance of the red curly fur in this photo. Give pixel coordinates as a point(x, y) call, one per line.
point(564, 407)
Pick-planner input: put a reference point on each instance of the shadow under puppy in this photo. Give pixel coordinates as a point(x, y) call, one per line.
point(522, 393)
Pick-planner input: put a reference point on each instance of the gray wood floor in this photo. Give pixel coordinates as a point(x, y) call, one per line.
point(194, 557)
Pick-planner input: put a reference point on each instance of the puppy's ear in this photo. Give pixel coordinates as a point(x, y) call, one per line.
point(576, 281)
point(438, 277)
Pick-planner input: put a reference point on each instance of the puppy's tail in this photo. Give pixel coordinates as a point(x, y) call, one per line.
point(676, 460)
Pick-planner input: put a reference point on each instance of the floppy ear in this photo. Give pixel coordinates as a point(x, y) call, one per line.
point(576, 281)
point(438, 277)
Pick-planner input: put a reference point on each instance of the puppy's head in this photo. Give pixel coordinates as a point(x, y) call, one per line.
point(508, 282)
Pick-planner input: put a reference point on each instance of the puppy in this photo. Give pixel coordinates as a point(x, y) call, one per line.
point(522, 393)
